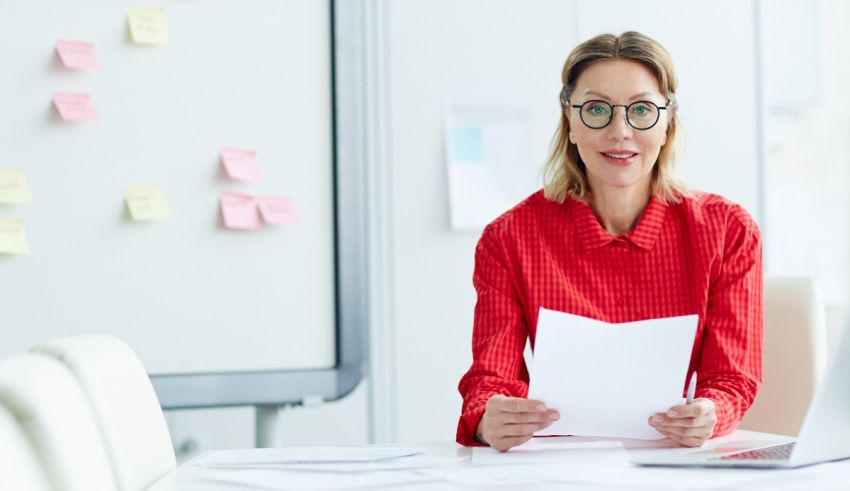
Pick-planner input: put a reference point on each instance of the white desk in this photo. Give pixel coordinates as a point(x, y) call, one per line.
point(822, 477)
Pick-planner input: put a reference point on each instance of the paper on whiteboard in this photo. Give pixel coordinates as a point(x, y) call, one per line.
point(608, 379)
point(488, 157)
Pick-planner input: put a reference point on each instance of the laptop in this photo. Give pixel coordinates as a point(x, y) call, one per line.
point(824, 435)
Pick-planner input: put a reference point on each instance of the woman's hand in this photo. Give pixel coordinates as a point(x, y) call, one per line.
point(511, 421)
point(689, 425)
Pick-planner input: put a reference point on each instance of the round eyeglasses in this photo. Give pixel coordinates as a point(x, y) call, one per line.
point(597, 114)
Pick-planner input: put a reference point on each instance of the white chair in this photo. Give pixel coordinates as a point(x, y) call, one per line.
point(124, 403)
point(794, 355)
point(53, 411)
point(22, 469)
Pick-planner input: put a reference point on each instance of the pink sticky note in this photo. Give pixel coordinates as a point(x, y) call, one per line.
point(239, 211)
point(240, 164)
point(74, 107)
point(277, 210)
point(77, 55)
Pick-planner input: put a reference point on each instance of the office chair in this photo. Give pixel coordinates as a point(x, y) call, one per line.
point(52, 410)
point(124, 403)
point(794, 355)
point(22, 469)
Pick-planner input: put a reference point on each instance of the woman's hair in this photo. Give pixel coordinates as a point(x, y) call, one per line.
point(564, 173)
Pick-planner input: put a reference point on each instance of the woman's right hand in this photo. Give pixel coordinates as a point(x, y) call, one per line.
point(511, 421)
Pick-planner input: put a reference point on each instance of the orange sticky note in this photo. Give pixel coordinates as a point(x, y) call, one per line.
point(239, 211)
point(74, 107)
point(240, 164)
point(277, 210)
point(77, 55)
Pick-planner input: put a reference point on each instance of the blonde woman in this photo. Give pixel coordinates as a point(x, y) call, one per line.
point(615, 235)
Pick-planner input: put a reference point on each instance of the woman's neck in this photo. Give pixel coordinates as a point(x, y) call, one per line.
point(619, 209)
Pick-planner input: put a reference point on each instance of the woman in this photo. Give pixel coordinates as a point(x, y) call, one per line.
point(615, 235)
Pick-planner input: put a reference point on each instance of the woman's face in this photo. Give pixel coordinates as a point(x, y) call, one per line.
point(618, 156)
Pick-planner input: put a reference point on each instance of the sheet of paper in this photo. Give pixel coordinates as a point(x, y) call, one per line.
point(536, 451)
point(240, 164)
point(13, 187)
point(304, 455)
point(147, 25)
point(74, 107)
point(400, 463)
point(491, 477)
point(239, 211)
point(608, 379)
point(277, 210)
point(147, 203)
point(77, 55)
point(283, 480)
point(13, 237)
point(489, 162)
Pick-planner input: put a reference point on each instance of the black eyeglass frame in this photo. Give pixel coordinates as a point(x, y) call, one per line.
point(566, 103)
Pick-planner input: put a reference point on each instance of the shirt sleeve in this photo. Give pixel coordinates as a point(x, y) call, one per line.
point(499, 334)
point(730, 368)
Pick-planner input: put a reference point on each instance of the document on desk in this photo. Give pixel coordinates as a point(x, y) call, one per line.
point(538, 451)
point(302, 455)
point(608, 379)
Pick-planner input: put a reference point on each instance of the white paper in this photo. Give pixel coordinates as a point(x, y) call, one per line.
point(401, 463)
point(296, 480)
point(489, 161)
point(608, 379)
point(303, 455)
point(539, 452)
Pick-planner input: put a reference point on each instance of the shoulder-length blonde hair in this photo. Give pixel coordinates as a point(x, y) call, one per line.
point(564, 173)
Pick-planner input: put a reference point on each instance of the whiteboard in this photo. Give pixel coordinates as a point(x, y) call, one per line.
point(188, 295)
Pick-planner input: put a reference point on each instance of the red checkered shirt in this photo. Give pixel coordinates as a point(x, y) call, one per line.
point(700, 256)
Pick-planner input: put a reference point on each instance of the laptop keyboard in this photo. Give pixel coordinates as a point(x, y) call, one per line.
point(779, 452)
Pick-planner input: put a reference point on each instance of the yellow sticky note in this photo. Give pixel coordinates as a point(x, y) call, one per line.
point(147, 25)
point(13, 237)
point(147, 203)
point(13, 187)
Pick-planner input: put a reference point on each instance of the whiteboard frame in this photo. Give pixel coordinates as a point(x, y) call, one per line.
point(294, 387)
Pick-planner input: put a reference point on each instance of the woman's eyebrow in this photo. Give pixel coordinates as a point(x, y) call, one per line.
point(603, 96)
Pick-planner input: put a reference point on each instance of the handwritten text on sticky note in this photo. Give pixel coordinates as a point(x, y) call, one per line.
point(147, 25)
point(239, 211)
point(277, 210)
point(240, 164)
point(13, 237)
point(77, 55)
point(147, 203)
point(13, 187)
point(74, 107)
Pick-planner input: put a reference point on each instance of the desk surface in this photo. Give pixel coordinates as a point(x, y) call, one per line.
point(835, 475)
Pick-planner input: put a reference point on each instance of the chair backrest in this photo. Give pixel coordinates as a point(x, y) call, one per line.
point(22, 469)
point(53, 411)
point(124, 403)
point(794, 355)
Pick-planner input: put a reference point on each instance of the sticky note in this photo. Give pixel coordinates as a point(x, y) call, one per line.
point(13, 187)
point(277, 210)
point(240, 164)
point(77, 55)
point(147, 203)
point(74, 107)
point(467, 143)
point(147, 25)
point(239, 211)
point(13, 237)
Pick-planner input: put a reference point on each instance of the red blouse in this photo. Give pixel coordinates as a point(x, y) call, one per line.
point(702, 255)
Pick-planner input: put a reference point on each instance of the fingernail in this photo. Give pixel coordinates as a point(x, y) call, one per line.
point(541, 407)
point(555, 416)
point(656, 418)
point(673, 413)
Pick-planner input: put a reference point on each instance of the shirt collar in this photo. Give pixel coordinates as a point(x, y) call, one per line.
point(592, 235)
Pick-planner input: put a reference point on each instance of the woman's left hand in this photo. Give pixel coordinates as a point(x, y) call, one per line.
point(689, 425)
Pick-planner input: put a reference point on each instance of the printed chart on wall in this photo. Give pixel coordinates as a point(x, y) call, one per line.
point(488, 153)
